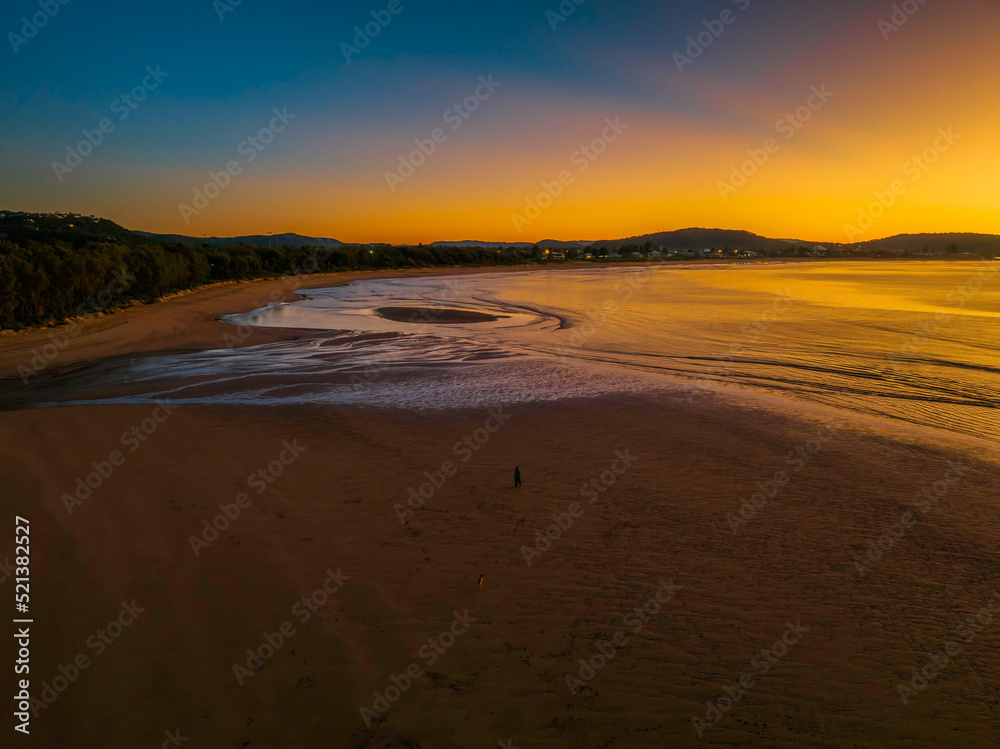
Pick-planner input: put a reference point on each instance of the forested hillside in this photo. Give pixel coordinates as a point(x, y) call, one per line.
point(56, 266)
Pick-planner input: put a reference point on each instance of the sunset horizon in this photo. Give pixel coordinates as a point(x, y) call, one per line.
point(785, 121)
point(531, 239)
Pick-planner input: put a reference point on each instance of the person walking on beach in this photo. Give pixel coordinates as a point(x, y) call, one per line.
point(517, 476)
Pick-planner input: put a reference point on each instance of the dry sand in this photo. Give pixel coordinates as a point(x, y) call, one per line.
point(332, 508)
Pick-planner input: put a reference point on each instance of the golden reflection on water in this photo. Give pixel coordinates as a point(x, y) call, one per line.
point(916, 341)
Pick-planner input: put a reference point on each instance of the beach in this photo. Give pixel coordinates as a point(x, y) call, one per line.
point(716, 570)
point(190, 322)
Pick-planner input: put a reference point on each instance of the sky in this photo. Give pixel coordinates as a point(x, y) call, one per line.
point(411, 121)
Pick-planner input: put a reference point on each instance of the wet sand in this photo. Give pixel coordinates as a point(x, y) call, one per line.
point(189, 321)
point(184, 322)
point(435, 315)
point(641, 490)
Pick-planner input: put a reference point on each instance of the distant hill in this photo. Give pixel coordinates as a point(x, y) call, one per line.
point(76, 229)
point(558, 244)
point(480, 244)
point(257, 240)
point(696, 239)
point(553, 244)
point(964, 242)
point(72, 228)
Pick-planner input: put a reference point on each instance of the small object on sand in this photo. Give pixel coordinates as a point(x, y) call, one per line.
point(481, 580)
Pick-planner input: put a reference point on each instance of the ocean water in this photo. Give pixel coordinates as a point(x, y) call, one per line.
point(918, 342)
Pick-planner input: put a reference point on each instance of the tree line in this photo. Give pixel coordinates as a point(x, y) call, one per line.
point(47, 279)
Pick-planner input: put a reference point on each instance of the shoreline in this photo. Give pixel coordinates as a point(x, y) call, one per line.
point(188, 321)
